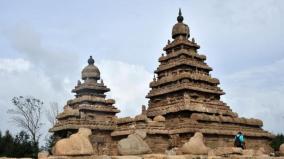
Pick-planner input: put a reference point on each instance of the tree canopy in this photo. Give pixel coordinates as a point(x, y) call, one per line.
point(19, 145)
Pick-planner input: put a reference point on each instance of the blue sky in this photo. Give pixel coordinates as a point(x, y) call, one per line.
point(45, 44)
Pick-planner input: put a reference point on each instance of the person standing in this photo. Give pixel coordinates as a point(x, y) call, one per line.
point(239, 140)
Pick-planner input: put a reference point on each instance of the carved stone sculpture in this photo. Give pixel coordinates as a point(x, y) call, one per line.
point(195, 145)
point(134, 144)
point(76, 144)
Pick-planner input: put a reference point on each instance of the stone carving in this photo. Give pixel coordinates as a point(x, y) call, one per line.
point(134, 144)
point(76, 144)
point(195, 145)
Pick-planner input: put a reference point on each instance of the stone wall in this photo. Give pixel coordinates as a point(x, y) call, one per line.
point(158, 143)
point(102, 142)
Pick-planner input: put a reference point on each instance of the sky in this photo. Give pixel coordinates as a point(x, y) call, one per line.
point(45, 44)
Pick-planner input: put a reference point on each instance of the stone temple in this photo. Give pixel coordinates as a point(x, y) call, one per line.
point(183, 99)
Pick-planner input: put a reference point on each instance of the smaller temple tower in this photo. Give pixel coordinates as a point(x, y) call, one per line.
point(89, 109)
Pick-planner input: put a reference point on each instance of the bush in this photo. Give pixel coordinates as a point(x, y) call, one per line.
point(277, 141)
point(18, 146)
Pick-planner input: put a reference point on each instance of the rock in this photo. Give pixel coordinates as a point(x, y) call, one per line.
point(224, 151)
point(177, 157)
point(155, 156)
point(281, 150)
point(172, 151)
point(195, 145)
point(76, 144)
point(248, 152)
point(13, 158)
point(43, 155)
point(211, 152)
point(260, 152)
point(126, 157)
point(134, 144)
point(141, 133)
point(159, 118)
point(103, 157)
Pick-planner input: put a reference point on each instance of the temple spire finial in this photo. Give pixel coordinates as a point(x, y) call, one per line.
point(91, 61)
point(180, 17)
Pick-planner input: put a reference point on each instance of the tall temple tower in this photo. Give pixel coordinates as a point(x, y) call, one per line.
point(189, 98)
point(89, 109)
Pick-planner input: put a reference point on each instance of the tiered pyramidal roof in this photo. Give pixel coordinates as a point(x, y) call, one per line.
point(186, 94)
point(90, 108)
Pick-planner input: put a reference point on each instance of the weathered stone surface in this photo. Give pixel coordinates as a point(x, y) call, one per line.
point(172, 151)
point(103, 157)
point(76, 144)
point(126, 157)
point(177, 157)
point(141, 133)
point(248, 152)
point(133, 144)
point(281, 150)
point(224, 151)
point(159, 118)
point(195, 145)
point(261, 152)
point(13, 158)
point(155, 156)
point(158, 156)
point(43, 155)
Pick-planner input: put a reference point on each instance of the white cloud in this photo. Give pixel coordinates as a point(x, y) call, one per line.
point(14, 65)
point(258, 92)
point(56, 63)
point(129, 84)
point(19, 78)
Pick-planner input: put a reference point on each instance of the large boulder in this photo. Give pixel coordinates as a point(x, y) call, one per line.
point(195, 145)
point(134, 144)
point(281, 150)
point(76, 144)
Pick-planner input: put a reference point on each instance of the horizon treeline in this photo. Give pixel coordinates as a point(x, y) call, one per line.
point(19, 145)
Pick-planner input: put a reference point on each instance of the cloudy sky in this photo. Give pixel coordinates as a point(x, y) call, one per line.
point(45, 44)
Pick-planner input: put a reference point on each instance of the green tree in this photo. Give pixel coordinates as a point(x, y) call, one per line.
point(277, 141)
point(7, 144)
point(26, 114)
point(18, 146)
point(23, 146)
